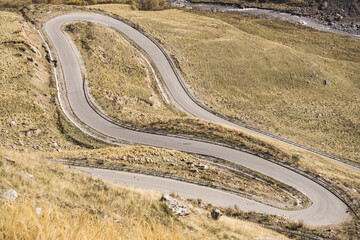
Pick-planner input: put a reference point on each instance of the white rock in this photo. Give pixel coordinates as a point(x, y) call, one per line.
point(12, 123)
point(10, 195)
point(176, 207)
point(38, 211)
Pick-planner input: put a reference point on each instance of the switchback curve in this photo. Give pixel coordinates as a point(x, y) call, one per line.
point(325, 209)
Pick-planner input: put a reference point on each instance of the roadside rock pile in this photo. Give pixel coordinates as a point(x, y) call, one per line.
point(134, 159)
point(176, 207)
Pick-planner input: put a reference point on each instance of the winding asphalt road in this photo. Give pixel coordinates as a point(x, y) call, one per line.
point(325, 209)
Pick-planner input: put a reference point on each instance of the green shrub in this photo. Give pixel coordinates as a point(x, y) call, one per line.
point(295, 158)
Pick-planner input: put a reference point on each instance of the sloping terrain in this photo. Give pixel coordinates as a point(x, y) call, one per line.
point(86, 113)
point(72, 206)
point(290, 80)
point(115, 97)
point(28, 117)
point(55, 203)
point(49, 222)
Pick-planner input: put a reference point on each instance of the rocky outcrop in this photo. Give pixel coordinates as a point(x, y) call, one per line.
point(176, 207)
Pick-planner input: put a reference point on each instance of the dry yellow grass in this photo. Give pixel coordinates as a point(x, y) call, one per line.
point(27, 92)
point(54, 223)
point(74, 206)
point(67, 192)
point(119, 79)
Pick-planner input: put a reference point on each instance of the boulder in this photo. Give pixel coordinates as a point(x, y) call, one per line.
point(176, 207)
point(12, 123)
point(10, 195)
point(216, 214)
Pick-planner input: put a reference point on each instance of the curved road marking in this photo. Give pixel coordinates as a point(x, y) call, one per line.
point(325, 209)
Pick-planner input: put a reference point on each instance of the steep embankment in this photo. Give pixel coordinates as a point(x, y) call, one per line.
point(29, 120)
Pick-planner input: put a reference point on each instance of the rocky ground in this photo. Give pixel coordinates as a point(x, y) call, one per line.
point(339, 15)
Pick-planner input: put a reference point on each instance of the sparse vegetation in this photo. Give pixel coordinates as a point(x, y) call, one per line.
point(14, 3)
point(263, 188)
point(17, 4)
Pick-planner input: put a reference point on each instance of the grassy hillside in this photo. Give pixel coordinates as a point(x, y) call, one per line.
point(75, 206)
point(266, 73)
point(123, 85)
point(28, 116)
point(72, 206)
point(119, 78)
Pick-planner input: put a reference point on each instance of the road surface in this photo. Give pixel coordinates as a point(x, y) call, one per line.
point(325, 209)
